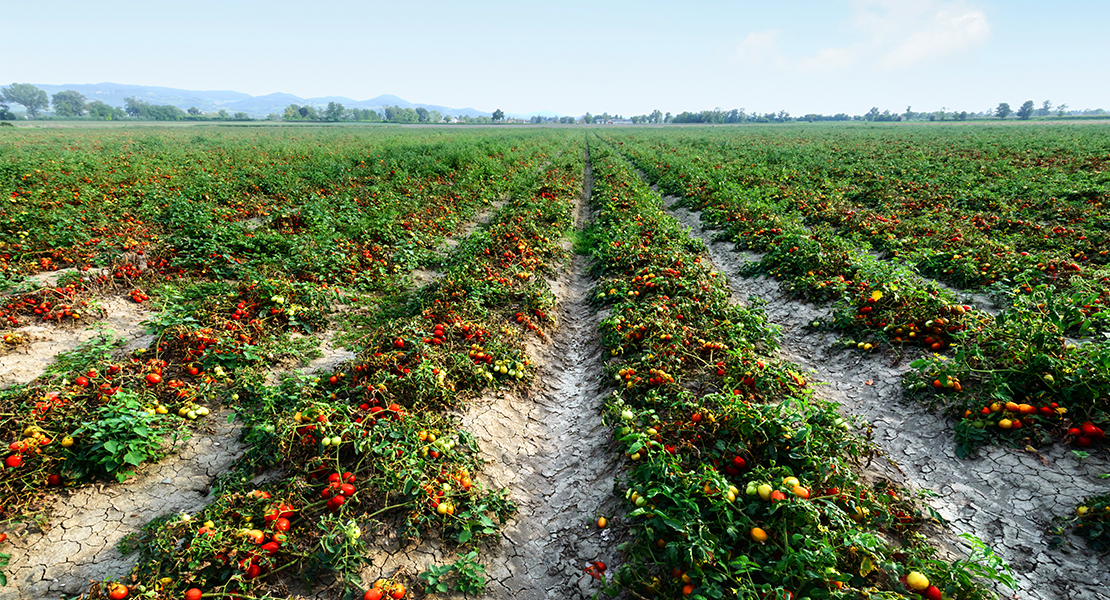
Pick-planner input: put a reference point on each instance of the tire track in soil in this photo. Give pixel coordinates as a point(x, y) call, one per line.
point(549, 448)
point(1005, 497)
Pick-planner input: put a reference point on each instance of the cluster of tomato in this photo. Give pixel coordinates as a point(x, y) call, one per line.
point(51, 304)
point(1086, 434)
point(339, 488)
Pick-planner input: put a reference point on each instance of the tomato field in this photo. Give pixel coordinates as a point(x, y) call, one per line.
point(735, 362)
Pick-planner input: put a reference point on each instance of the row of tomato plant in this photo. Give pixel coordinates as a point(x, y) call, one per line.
point(1012, 379)
point(740, 483)
point(332, 207)
point(206, 327)
point(93, 415)
point(368, 448)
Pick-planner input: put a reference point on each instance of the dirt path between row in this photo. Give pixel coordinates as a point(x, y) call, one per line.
point(43, 342)
point(1005, 497)
point(549, 448)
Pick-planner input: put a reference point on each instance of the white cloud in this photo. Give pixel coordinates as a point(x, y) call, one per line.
point(760, 47)
point(911, 32)
point(889, 34)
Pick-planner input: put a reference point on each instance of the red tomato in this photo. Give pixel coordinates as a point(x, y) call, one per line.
point(118, 591)
point(335, 502)
point(347, 489)
point(13, 461)
point(281, 525)
point(372, 594)
point(153, 379)
point(193, 594)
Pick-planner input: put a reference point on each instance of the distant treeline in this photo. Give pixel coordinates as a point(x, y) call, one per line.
point(70, 104)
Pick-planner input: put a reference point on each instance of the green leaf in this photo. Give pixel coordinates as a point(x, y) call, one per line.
point(134, 457)
point(112, 446)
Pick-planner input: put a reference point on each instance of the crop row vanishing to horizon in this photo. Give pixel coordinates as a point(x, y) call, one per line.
point(973, 258)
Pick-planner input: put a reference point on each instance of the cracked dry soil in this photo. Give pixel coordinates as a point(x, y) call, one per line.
point(1005, 497)
point(43, 343)
point(79, 544)
point(549, 448)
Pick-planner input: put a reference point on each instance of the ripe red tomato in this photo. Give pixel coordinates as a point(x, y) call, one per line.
point(335, 502)
point(54, 479)
point(118, 591)
point(153, 379)
point(372, 594)
point(82, 381)
point(347, 489)
point(13, 461)
point(399, 343)
point(193, 594)
point(281, 525)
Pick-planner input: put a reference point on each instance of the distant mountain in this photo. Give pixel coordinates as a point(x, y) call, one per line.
point(255, 106)
point(114, 94)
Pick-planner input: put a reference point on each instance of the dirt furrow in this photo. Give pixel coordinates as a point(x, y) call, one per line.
point(549, 448)
point(43, 343)
point(554, 454)
point(1005, 497)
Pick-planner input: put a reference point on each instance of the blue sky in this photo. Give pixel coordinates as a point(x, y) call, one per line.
point(625, 57)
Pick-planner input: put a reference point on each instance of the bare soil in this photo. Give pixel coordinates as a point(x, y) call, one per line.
point(549, 448)
point(43, 342)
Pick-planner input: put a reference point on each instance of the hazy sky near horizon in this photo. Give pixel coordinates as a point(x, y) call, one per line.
point(622, 57)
